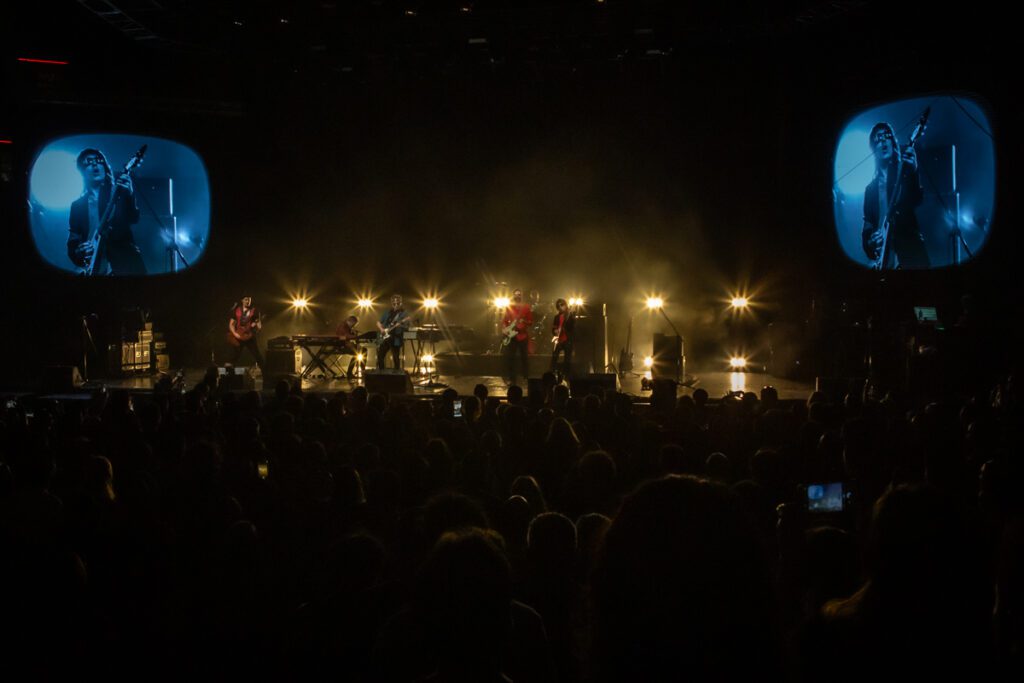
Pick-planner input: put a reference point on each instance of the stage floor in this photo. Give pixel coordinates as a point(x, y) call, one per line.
point(716, 383)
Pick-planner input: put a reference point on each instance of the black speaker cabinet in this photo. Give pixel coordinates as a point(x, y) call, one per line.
point(388, 381)
point(668, 356)
point(283, 361)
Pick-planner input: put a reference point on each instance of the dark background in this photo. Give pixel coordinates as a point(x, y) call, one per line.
point(609, 149)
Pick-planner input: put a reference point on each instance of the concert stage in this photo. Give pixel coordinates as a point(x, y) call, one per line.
point(717, 383)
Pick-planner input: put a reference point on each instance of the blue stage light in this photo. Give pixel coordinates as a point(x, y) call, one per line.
point(55, 181)
point(854, 165)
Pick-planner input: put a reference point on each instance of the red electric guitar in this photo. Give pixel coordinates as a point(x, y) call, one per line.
point(245, 330)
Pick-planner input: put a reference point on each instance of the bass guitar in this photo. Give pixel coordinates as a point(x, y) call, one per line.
point(94, 247)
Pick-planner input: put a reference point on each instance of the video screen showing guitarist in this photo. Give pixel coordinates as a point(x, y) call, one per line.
point(895, 191)
point(392, 326)
point(562, 328)
point(119, 254)
point(243, 331)
point(515, 327)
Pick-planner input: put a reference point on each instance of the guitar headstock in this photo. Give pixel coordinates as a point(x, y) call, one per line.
point(136, 159)
point(922, 124)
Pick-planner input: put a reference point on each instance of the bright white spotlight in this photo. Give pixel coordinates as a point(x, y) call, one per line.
point(300, 302)
point(359, 358)
point(737, 362)
point(575, 301)
point(739, 302)
point(502, 301)
point(365, 302)
point(655, 302)
point(648, 362)
point(431, 303)
point(427, 358)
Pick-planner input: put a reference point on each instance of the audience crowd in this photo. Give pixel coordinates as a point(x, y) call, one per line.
point(541, 537)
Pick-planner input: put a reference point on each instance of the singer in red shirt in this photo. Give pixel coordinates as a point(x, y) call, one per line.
point(519, 315)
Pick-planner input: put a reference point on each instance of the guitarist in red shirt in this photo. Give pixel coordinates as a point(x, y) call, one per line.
point(515, 327)
point(243, 330)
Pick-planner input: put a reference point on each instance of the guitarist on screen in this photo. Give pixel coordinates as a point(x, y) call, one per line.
point(392, 326)
point(515, 326)
point(243, 330)
point(119, 255)
point(894, 192)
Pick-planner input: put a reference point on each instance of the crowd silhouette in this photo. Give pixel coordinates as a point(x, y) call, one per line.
point(542, 537)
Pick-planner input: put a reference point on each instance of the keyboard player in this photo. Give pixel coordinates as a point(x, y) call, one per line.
point(348, 338)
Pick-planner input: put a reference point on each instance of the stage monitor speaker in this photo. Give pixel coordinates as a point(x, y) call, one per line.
point(283, 361)
point(667, 351)
point(593, 383)
point(57, 378)
point(388, 381)
point(236, 378)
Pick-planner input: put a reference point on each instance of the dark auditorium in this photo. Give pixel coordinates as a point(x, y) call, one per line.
point(492, 341)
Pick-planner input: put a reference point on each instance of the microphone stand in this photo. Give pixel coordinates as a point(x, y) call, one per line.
point(87, 343)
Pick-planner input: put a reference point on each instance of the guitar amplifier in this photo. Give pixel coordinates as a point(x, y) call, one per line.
point(135, 357)
point(283, 361)
point(389, 381)
point(280, 344)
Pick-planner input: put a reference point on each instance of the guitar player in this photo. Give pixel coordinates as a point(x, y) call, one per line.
point(243, 330)
point(562, 337)
point(119, 254)
point(894, 191)
point(517, 319)
point(392, 326)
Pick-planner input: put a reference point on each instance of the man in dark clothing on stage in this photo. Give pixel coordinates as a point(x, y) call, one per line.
point(393, 325)
point(562, 328)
